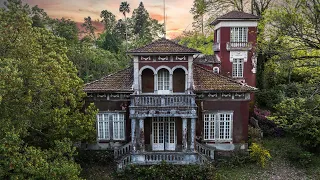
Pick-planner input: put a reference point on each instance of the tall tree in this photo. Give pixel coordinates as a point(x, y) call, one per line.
point(108, 19)
point(124, 9)
point(41, 100)
point(65, 28)
point(200, 7)
point(89, 28)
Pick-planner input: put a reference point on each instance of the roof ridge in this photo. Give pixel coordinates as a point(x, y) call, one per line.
point(225, 77)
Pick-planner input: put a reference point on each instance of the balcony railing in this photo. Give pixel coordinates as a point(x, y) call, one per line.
point(216, 47)
point(174, 100)
point(239, 46)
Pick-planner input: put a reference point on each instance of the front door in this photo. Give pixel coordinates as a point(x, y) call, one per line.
point(163, 134)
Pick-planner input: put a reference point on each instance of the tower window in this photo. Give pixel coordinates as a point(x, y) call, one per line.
point(237, 68)
point(239, 34)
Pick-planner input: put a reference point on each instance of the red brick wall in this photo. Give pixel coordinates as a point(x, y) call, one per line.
point(240, 117)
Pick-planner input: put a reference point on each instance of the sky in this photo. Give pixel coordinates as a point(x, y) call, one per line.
point(178, 13)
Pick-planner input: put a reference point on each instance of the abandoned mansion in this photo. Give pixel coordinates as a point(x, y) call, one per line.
point(177, 105)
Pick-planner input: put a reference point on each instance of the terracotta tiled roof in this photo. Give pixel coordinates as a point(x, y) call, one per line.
point(206, 80)
point(238, 15)
point(164, 45)
point(120, 81)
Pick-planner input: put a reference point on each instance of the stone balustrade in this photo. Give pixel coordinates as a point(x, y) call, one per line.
point(156, 100)
point(239, 46)
point(123, 150)
point(204, 150)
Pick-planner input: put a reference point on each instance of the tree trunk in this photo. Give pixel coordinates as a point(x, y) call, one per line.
point(125, 17)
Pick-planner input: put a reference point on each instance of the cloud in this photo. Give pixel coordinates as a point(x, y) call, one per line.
point(90, 11)
point(157, 16)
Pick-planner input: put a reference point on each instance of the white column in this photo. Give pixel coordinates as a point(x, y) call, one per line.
point(133, 134)
point(155, 83)
point(141, 142)
point(135, 73)
point(170, 83)
point(184, 134)
point(193, 133)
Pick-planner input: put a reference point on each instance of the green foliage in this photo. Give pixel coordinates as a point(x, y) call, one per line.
point(254, 135)
point(167, 171)
point(259, 154)
point(94, 157)
point(198, 41)
point(41, 101)
point(19, 161)
point(300, 117)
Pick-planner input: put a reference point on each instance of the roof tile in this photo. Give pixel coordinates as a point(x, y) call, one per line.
point(205, 80)
point(120, 81)
point(235, 15)
point(164, 45)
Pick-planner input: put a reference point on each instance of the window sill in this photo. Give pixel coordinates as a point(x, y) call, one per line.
point(109, 141)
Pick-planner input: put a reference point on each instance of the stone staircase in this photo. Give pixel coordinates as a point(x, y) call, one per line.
point(125, 156)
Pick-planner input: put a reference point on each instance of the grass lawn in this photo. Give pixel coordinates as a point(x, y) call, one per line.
point(279, 166)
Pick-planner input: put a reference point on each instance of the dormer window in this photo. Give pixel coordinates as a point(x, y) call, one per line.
point(239, 34)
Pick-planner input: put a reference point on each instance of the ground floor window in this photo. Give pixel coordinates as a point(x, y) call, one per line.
point(218, 126)
point(110, 126)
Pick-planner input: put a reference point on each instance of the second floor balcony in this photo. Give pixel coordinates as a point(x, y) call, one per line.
point(151, 105)
point(232, 46)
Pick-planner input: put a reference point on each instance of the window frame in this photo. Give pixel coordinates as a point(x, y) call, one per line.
point(239, 34)
point(237, 67)
point(163, 80)
point(212, 122)
point(116, 126)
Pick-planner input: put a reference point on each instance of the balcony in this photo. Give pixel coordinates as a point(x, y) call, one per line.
point(155, 105)
point(234, 46)
point(216, 46)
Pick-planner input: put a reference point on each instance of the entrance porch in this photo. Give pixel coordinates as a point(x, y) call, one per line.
point(163, 134)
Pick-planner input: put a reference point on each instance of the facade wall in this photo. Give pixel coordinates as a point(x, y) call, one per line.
point(240, 117)
point(224, 54)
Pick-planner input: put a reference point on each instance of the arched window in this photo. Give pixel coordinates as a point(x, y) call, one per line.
point(163, 81)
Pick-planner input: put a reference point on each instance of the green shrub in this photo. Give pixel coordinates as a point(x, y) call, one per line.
point(94, 157)
point(167, 171)
point(235, 160)
point(254, 135)
point(259, 154)
point(298, 156)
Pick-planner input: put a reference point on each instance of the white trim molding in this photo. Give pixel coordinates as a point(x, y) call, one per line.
point(236, 24)
point(147, 67)
point(239, 55)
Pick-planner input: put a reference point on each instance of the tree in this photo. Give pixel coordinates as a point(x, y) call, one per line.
point(198, 41)
point(144, 29)
point(124, 9)
point(64, 28)
point(41, 101)
point(108, 19)
point(90, 29)
point(200, 7)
